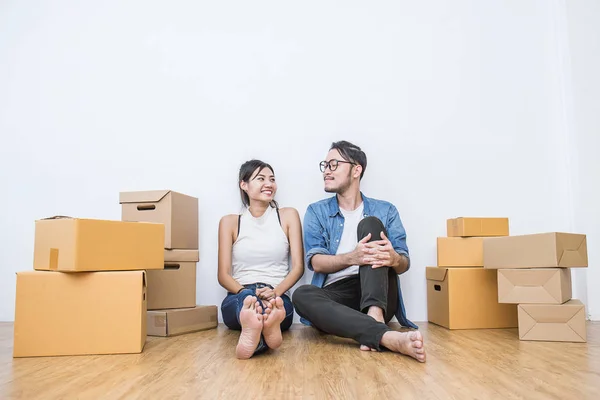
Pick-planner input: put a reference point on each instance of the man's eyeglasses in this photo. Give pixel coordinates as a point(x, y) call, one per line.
point(332, 164)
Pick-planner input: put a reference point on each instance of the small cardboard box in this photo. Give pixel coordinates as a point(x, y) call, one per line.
point(534, 286)
point(182, 255)
point(177, 211)
point(542, 250)
point(466, 227)
point(179, 321)
point(466, 298)
point(553, 322)
point(459, 252)
point(172, 287)
point(59, 314)
point(73, 245)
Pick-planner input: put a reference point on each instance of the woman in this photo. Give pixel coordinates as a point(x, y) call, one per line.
point(254, 249)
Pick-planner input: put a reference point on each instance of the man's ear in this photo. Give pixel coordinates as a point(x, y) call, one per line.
point(357, 171)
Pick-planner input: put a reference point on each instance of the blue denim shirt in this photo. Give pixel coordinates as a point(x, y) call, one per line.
point(323, 227)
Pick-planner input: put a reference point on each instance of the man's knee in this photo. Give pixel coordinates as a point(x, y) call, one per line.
point(372, 225)
point(302, 294)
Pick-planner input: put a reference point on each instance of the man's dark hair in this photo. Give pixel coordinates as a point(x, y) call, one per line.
point(351, 152)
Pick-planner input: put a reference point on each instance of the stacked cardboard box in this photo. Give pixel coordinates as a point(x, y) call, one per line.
point(87, 294)
point(461, 294)
point(534, 272)
point(172, 291)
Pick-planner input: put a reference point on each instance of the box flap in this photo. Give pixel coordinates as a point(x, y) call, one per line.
point(561, 313)
point(181, 255)
point(526, 322)
point(150, 196)
point(571, 249)
point(436, 273)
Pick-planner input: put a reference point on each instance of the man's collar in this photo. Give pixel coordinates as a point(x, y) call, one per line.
point(334, 207)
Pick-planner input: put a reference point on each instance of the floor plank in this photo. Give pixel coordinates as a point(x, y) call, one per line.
point(482, 364)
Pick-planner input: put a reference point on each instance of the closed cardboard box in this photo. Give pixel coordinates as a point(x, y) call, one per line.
point(466, 298)
point(553, 322)
point(181, 255)
point(177, 211)
point(465, 227)
point(459, 252)
point(179, 321)
point(536, 286)
point(74, 245)
point(542, 250)
point(59, 314)
point(172, 287)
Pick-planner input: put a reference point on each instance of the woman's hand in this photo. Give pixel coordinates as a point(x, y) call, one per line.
point(265, 293)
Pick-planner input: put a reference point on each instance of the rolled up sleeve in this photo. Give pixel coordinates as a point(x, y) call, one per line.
point(397, 234)
point(314, 240)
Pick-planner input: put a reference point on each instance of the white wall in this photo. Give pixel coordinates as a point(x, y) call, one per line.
point(583, 28)
point(456, 104)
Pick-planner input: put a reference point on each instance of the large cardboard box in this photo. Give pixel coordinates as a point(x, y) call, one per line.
point(182, 255)
point(459, 252)
point(553, 322)
point(535, 286)
point(73, 245)
point(542, 250)
point(179, 321)
point(177, 211)
point(59, 314)
point(466, 227)
point(172, 287)
point(466, 298)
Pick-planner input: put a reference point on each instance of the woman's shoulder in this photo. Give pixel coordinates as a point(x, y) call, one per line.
point(288, 212)
point(229, 220)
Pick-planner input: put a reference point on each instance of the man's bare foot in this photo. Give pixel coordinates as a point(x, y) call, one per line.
point(274, 315)
point(408, 343)
point(377, 314)
point(251, 320)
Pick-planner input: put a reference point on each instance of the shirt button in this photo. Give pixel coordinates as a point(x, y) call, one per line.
point(337, 240)
point(341, 224)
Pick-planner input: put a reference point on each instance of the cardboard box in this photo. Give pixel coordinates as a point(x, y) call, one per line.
point(177, 211)
point(179, 321)
point(534, 286)
point(182, 255)
point(466, 298)
point(553, 322)
point(172, 287)
point(543, 250)
point(59, 314)
point(466, 227)
point(73, 245)
point(459, 252)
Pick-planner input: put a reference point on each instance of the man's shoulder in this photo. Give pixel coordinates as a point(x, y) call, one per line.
point(324, 203)
point(379, 204)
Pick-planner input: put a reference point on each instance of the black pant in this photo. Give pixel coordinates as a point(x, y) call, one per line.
point(340, 308)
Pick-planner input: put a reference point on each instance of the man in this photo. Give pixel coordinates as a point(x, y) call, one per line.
point(356, 247)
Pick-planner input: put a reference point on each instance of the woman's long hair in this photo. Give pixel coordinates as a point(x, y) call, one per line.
point(246, 172)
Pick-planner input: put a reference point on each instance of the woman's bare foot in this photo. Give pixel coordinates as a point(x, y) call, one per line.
point(274, 315)
point(377, 314)
point(251, 320)
point(408, 343)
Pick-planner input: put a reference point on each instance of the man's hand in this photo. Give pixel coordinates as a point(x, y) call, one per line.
point(265, 293)
point(383, 253)
point(361, 253)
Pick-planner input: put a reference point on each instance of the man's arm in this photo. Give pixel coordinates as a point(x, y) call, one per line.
point(391, 251)
point(329, 264)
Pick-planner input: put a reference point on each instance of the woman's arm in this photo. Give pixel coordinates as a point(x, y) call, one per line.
point(293, 230)
point(227, 228)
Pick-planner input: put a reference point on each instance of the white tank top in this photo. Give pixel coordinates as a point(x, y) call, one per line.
point(260, 253)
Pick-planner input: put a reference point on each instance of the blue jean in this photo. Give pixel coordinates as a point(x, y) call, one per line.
point(232, 306)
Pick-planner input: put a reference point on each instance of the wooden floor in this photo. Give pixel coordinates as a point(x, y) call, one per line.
point(481, 364)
